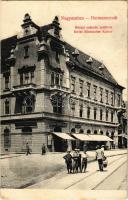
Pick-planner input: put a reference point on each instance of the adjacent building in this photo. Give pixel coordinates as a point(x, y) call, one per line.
point(49, 87)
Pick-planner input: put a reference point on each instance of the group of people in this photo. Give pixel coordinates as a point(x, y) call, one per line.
point(77, 161)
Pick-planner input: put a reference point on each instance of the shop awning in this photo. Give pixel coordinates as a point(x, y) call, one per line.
point(64, 136)
point(84, 137)
point(102, 138)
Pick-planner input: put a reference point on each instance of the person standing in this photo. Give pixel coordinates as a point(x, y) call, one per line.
point(99, 156)
point(84, 161)
point(68, 161)
point(27, 149)
point(43, 149)
point(79, 161)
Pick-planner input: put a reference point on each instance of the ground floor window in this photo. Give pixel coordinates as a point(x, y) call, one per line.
point(7, 138)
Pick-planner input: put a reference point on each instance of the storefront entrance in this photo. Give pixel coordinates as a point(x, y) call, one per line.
point(60, 145)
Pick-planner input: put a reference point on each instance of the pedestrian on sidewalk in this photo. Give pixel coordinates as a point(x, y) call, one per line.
point(43, 149)
point(68, 161)
point(79, 161)
point(75, 161)
point(84, 161)
point(27, 149)
point(100, 156)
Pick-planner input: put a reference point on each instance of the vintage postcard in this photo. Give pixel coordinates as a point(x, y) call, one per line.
point(64, 100)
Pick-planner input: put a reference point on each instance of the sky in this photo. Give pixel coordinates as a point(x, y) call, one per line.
point(109, 48)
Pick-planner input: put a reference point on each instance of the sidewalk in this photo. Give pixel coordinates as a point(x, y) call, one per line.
point(90, 153)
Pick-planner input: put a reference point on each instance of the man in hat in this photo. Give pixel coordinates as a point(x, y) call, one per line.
point(68, 161)
point(75, 157)
point(79, 160)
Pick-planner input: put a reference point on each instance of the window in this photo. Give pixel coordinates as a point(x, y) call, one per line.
point(95, 131)
point(118, 100)
point(112, 98)
point(73, 84)
point(81, 87)
point(88, 112)
point(81, 131)
point(73, 130)
point(26, 77)
point(27, 130)
point(95, 91)
point(111, 116)
point(101, 132)
point(28, 104)
point(101, 95)
point(95, 113)
point(107, 133)
point(101, 114)
point(57, 104)
point(88, 131)
point(57, 57)
point(26, 51)
point(7, 107)
point(52, 79)
point(88, 90)
point(106, 115)
point(106, 96)
point(7, 82)
point(81, 111)
point(57, 80)
point(7, 138)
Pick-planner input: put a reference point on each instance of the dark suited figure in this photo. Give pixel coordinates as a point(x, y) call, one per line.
point(27, 149)
point(68, 161)
point(79, 161)
point(84, 161)
point(43, 149)
point(99, 156)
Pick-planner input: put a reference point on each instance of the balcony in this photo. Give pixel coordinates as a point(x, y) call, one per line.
point(57, 89)
point(23, 89)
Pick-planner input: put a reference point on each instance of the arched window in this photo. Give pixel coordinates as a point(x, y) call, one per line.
point(88, 131)
point(81, 131)
point(57, 104)
point(7, 138)
point(73, 130)
point(101, 132)
point(107, 133)
point(7, 107)
point(28, 104)
point(95, 131)
point(112, 135)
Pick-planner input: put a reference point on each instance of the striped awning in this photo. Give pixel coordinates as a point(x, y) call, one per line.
point(84, 137)
point(64, 136)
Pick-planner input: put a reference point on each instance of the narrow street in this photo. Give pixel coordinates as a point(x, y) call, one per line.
point(112, 178)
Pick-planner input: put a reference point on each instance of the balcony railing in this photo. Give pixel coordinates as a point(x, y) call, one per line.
point(58, 88)
point(23, 87)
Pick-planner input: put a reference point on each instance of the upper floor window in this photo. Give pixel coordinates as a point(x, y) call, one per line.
point(88, 112)
point(112, 98)
point(95, 92)
point(101, 114)
point(28, 104)
point(26, 51)
point(57, 57)
point(81, 82)
point(106, 96)
point(95, 113)
point(81, 111)
point(118, 100)
point(88, 89)
point(73, 84)
point(101, 95)
point(111, 116)
point(7, 107)
point(56, 79)
point(106, 115)
point(7, 82)
point(26, 77)
point(57, 104)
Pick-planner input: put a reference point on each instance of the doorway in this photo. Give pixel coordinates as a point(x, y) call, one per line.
point(60, 145)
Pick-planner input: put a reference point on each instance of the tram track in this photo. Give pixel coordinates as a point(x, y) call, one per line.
point(90, 175)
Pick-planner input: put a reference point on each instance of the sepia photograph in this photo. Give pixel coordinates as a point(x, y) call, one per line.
point(64, 100)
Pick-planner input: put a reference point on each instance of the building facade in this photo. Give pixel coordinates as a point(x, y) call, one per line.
point(49, 86)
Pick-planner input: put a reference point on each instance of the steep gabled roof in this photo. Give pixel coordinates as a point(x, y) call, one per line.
point(7, 44)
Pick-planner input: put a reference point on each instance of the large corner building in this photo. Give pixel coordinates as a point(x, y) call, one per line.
point(52, 92)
